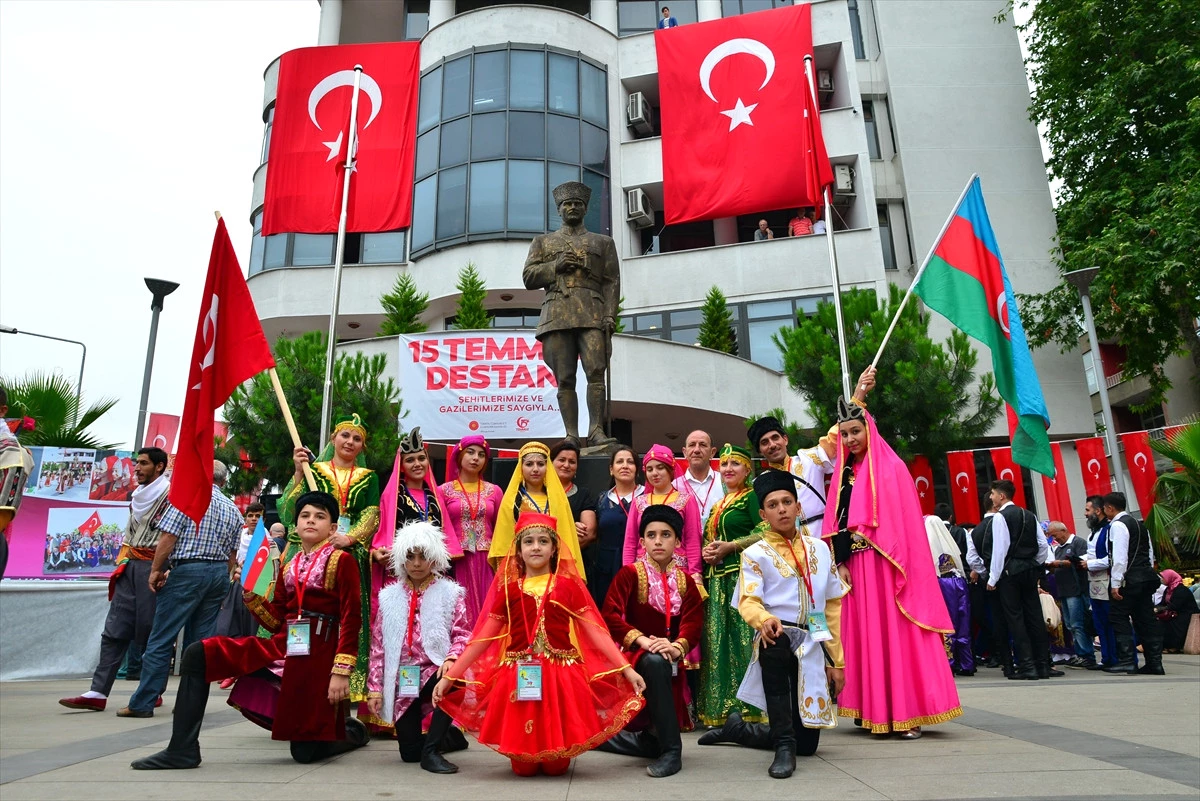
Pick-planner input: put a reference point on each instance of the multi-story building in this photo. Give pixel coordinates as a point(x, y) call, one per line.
point(515, 98)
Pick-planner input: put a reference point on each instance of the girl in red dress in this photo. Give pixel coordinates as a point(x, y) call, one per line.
point(541, 681)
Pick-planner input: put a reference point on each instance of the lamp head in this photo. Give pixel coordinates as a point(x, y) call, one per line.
point(1082, 279)
point(160, 289)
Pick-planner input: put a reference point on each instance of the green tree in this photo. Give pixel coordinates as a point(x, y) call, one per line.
point(61, 421)
point(927, 400)
point(403, 307)
point(620, 329)
point(1117, 93)
point(1174, 522)
point(471, 313)
point(256, 425)
point(716, 324)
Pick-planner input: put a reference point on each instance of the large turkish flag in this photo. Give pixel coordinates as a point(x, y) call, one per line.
point(307, 157)
point(1006, 468)
point(1140, 461)
point(963, 487)
point(740, 131)
point(1094, 464)
point(1058, 496)
point(161, 430)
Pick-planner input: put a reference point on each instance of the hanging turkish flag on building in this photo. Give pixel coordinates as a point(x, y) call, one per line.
point(1007, 469)
point(964, 489)
point(90, 525)
point(309, 136)
point(740, 131)
point(1058, 495)
point(161, 431)
point(1094, 464)
point(229, 348)
point(1142, 472)
point(922, 474)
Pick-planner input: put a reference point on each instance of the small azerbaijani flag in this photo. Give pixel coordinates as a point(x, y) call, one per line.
point(258, 571)
point(966, 282)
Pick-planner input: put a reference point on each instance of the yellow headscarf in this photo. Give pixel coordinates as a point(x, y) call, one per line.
point(560, 509)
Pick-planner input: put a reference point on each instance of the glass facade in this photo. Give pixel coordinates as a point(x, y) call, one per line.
point(504, 318)
point(885, 236)
point(872, 130)
point(731, 8)
point(316, 250)
point(640, 16)
point(497, 130)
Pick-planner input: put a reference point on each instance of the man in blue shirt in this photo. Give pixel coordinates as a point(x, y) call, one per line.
point(667, 21)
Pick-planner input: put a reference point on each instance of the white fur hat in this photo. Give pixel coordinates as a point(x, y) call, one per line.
point(424, 537)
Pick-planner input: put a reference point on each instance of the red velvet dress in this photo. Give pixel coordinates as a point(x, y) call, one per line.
point(329, 579)
point(629, 614)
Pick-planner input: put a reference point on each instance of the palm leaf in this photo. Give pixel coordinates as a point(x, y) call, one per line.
point(50, 400)
point(1174, 522)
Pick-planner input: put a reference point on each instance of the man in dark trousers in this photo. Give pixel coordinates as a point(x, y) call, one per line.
point(979, 556)
point(1070, 581)
point(1019, 553)
point(1133, 582)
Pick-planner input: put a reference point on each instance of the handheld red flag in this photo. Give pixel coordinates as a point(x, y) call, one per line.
point(1006, 468)
point(90, 525)
point(922, 474)
point(1094, 464)
point(733, 90)
point(229, 348)
point(307, 156)
point(1058, 495)
point(963, 487)
point(1142, 472)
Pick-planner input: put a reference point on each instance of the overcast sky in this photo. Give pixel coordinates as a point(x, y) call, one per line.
point(123, 126)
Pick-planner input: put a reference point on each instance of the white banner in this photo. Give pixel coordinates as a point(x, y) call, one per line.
point(494, 383)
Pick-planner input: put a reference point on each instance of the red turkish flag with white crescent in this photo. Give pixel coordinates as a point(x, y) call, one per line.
point(1008, 470)
point(1094, 465)
point(1139, 458)
point(741, 133)
point(1058, 495)
point(922, 474)
point(161, 431)
point(90, 525)
point(307, 158)
point(964, 489)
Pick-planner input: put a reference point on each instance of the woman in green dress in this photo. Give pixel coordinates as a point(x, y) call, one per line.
point(340, 470)
point(728, 640)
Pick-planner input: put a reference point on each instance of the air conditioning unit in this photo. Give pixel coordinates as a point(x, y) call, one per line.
point(843, 180)
point(824, 81)
point(639, 115)
point(638, 209)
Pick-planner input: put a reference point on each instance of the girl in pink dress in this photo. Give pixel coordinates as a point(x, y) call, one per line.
point(471, 506)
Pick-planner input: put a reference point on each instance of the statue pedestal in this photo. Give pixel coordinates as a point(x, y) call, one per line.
point(607, 449)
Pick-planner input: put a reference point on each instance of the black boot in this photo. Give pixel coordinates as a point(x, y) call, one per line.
point(184, 749)
point(431, 760)
point(454, 740)
point(1026, 671)
point(411, 752)
point(783, 736)
point(1126, 661)
point(738, 732)
point(661, 703)
point(634, 744)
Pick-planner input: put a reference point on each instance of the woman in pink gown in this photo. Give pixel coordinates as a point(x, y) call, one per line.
point(897, 676)
point(471, 507)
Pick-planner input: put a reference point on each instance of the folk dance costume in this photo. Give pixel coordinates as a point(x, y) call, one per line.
point(728, 640)
point(793, 581)
point(952, 577)
point(417, 628)
point(315, 618)
point(897, 676)
point(809, 467)
point(541, 636)
point(688, 555)
point(645, 600)
point(471, 511)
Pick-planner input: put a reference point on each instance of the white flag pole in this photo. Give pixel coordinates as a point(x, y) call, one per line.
point(351, 146)
point(924, 264)
point(833, 265)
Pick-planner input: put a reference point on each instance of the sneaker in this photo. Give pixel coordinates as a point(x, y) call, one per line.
point(88, 704)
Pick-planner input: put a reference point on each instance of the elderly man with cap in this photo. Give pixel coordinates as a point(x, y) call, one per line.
point(810, 465)
point(582, 278)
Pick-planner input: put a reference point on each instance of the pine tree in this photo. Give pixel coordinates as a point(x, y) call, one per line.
point(471, 314)
point(403, 307)
point(716, 326)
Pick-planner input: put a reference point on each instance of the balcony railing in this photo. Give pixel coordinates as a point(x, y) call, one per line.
point(1114, 379)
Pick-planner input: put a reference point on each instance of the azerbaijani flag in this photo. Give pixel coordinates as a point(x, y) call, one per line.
point(258, 571)
point(966, 282)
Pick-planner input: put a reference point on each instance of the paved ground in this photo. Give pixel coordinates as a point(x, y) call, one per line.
point(1085, 736)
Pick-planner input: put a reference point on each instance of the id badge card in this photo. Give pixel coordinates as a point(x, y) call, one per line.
point(818, 628)
point(674, 669)
point(410, 681)
point(299, 631)
point(529, 680)
point(344, 526)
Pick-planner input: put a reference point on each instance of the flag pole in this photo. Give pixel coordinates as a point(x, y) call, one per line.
point(833, 265)
point(924, 264)
point(351, 146)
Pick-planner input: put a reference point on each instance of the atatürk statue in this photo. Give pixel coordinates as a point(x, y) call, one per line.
point(582, 279)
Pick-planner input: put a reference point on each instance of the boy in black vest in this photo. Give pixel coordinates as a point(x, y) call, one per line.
point(1133, 582)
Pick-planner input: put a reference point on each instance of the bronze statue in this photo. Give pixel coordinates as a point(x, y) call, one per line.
point(582, 279)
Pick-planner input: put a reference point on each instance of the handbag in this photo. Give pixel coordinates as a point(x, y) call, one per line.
point(1191, 644)
point(1050, 612)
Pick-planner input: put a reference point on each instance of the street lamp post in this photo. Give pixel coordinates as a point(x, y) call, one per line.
point(5, 329)
point(1082, 281)
point(159, 289)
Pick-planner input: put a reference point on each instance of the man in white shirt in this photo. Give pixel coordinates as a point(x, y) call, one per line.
point(1133, 581)
point(700, 479)
point(1098, 579)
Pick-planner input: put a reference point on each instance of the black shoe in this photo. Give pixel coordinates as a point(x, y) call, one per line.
point(412, 752)
point(670, 763)
point(1050, 672)
point(357, 733)
point(1094, 666)
point(958, 672)
point(992, 663)
point(1023, 675)
point(1121, 667)
point(732, 732)
point(635, 744)
point(169, 760)
point(434, 762)
point(784, 764)
point(1147, 670)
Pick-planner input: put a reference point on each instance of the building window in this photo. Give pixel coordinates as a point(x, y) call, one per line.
point(316, 250)
point(504, 318)
point(497, 130)
point(640, 16)
point(1154, 418)
point(266, 148)
point(1089, 372)
point(856, 36)
point(872, 130)
point(416, 19)
point(885, 236)
point(731, 8)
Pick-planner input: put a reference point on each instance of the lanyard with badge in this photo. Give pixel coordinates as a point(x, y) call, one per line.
point(299, 631)
point(410, 675)
point(818, 626)
point(343, 523)
point(529, 670)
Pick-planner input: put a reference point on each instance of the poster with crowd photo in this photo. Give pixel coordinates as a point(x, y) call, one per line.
point(493, 383)
point(63, 474)
point(113, 476)
point(83, 539)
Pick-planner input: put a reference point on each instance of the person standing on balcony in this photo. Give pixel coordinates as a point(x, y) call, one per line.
point(667, 21)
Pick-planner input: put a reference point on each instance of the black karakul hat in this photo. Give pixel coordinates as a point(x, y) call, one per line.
point(322, 499)
point(772, 480)
point(763, 426)
point(661, 513)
